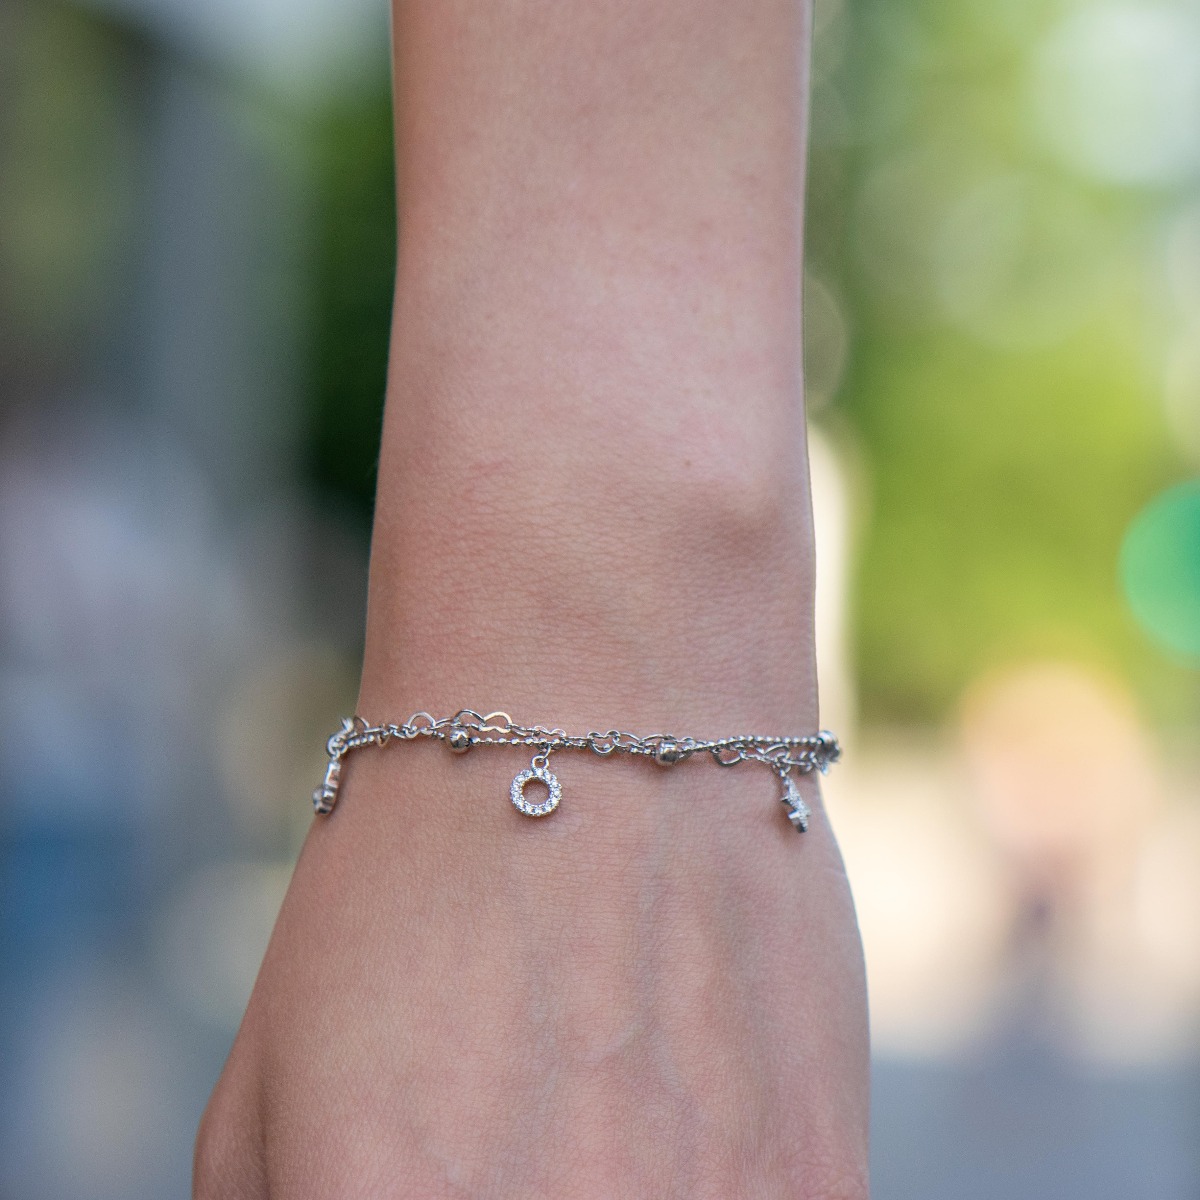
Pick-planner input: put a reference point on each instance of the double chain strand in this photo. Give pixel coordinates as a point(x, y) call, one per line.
point(467, 729)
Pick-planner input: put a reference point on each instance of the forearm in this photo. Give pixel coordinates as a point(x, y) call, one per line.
point(593, 495)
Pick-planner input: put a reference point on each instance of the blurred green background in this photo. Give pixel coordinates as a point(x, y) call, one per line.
point(1003, 361)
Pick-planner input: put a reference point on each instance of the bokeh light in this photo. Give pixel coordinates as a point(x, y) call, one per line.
point(1160, 567)
point(1116, 89)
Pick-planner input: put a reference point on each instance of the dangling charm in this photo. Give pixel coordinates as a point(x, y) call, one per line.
point(326, 796)
point(798, 811)
point(536, 770)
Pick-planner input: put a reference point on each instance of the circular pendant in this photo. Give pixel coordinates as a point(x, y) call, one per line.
point(517, 791)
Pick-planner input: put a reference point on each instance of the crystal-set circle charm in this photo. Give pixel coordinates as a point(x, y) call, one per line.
point(517, 791)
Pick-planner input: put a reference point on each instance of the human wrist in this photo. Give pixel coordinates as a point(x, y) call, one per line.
point(592, 486)
point(697, 611)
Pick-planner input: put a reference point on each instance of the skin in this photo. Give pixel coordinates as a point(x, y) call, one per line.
point(593, 511)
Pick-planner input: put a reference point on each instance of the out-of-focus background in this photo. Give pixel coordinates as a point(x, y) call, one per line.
point(1003, 355)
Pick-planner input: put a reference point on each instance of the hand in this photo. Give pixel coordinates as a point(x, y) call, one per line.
point(655, 992)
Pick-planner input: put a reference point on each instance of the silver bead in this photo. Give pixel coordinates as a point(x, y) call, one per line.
point(459, 740)
point(667, 753)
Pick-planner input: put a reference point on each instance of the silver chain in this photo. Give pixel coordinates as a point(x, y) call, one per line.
point(467, 729)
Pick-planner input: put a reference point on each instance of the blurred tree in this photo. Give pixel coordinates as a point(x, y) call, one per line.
point(1000, 387)
point(355, 253)
point(71, 93)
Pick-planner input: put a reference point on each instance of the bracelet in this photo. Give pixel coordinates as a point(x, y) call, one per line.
point(468, 728)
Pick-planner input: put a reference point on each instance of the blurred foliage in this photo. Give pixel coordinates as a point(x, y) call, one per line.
point(1000, 392)
point(354, 261)
point(71, 84)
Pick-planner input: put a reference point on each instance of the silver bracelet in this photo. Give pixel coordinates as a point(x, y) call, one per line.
point(467, 728)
